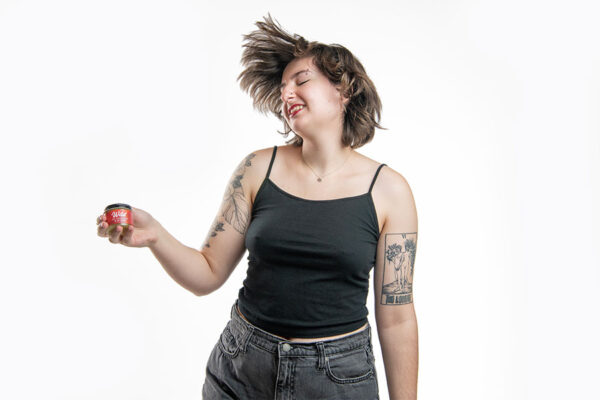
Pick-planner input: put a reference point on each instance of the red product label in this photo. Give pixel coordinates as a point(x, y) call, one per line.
point(119, 216)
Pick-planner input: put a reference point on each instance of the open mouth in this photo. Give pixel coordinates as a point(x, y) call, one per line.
point(295, 110)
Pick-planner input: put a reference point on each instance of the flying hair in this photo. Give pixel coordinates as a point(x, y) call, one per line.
point(269, 49)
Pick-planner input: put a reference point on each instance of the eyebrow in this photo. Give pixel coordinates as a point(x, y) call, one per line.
point(293, 76)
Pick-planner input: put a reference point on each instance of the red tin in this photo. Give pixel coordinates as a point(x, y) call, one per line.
point(118, 214)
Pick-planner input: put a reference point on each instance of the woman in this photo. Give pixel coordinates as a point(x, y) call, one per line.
point(315, 216)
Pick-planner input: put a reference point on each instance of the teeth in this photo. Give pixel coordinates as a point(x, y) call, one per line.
point(295, 108)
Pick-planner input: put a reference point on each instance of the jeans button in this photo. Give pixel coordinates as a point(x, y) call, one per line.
point(286, 347)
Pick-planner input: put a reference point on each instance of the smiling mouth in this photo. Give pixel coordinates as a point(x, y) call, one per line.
point(298, 109)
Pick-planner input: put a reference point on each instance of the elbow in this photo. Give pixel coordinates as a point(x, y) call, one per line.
point(203, 291)
point(394, 327)
point(199, 293)
point(206, 289)
point(207, 283)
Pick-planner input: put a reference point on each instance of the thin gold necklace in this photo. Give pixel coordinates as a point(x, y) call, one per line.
point(320, 178)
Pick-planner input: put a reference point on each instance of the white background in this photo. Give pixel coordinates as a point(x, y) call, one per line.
point(492, 110)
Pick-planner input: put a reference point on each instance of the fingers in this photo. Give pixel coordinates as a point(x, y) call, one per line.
point(115, 235)
point(128, 235)
point(102, 225)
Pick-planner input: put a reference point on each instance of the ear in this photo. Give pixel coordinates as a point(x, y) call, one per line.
point(344, 99)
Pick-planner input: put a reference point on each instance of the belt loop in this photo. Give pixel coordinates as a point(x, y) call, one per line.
point(247, 336)
point(322, 356)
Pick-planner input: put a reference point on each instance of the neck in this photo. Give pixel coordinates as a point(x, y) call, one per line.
point(325, 157)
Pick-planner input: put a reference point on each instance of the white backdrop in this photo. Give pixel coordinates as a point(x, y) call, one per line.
point(492, 110)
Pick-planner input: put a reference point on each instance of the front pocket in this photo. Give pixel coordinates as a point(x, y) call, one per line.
point(349, 367)
point(228, 343)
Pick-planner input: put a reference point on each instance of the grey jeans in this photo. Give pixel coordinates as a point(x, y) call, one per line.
point(249, 363)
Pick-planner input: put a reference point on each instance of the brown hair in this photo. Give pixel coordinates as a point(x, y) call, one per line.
point(268, 51)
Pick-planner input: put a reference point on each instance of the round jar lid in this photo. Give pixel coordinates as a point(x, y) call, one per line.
point(118, 205)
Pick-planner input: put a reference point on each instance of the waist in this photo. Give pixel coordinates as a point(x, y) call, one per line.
point(236, 312)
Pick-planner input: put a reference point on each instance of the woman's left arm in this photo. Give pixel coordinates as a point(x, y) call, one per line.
point(393, 286)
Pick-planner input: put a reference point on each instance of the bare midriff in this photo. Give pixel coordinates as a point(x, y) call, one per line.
point(310, 340)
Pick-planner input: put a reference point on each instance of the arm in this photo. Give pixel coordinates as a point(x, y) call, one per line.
point(394, 308)
point(204, 271)
point(187, 266)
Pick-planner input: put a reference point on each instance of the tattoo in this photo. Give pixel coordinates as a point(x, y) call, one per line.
point(237, 212)
point(217, 226)
point(235, 206)
point(398, 268)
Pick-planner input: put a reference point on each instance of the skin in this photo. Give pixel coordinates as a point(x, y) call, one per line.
point(320, 125)
point(235, 210)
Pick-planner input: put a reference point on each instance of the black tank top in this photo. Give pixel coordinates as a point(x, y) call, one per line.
point(308, 262)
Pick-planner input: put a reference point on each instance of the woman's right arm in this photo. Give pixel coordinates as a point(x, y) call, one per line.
point(186, 265)
point(199, 271)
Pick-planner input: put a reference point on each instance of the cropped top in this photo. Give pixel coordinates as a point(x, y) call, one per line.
point(308, 262)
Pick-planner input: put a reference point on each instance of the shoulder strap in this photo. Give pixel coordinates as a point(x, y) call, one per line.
point(272, 159)
point(375, 177)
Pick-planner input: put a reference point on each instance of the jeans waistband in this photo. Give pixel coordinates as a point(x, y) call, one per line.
point(245, 332)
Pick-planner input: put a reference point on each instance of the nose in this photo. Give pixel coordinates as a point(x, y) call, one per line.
point(287, 94)
point(287, 101)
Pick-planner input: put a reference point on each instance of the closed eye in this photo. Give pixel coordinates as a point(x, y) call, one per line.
point(301, 83)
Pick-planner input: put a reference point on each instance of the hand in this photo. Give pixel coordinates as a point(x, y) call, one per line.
point(143, 234)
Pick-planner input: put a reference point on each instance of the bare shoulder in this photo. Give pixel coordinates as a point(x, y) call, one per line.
point(390, 192)
point(389, 181)
point(255, 165)
point(398, 201)
point(393, 183)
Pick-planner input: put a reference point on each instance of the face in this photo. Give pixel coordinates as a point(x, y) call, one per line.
point(310, 100)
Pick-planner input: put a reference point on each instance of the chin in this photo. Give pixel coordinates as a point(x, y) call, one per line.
point(299, 126)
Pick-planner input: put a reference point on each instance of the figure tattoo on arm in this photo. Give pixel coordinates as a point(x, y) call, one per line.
point(398, 268)
point(235, 206)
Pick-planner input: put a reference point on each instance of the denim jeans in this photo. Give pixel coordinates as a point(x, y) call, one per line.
point(249, 363)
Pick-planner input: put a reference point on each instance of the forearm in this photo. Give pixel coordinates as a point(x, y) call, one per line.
point(187, 266)
point(400, 350)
